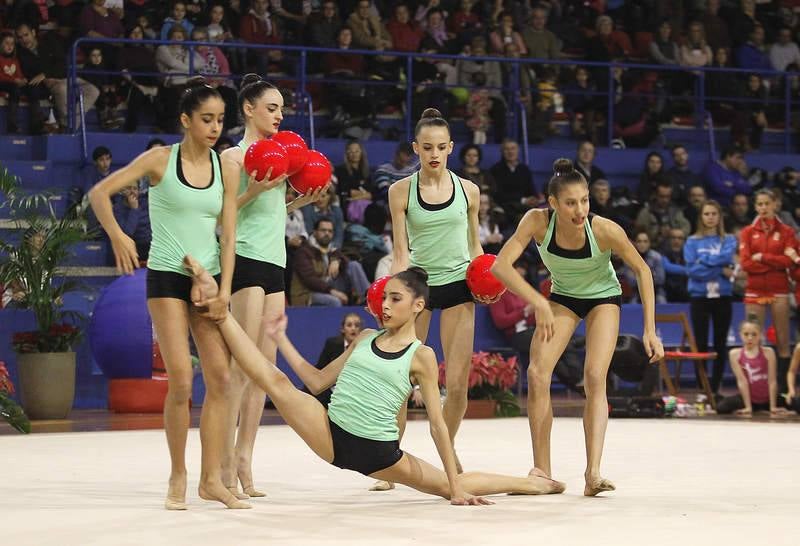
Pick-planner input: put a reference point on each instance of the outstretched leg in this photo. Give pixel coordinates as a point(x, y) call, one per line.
point(424, 477)
point(301, 411)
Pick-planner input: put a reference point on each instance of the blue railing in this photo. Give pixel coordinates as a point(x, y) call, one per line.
point(517, 110)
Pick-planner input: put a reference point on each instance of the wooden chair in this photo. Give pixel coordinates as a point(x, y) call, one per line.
point(685, 351)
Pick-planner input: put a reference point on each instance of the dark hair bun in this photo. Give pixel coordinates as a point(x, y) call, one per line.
point(562, 167)
point(250, 78)
point(195, 81)
point(418, 271)
point(430, 113)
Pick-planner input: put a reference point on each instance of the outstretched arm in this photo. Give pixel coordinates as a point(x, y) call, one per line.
point(426, 373)
point(315, 379)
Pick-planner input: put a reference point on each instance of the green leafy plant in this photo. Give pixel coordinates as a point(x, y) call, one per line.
point(491, 377)
point(30, 266)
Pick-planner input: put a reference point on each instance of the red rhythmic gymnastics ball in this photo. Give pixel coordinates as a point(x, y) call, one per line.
point(375, 296)
point(480, 280)
point(263, 154)
point(296, 149)
point(314, 174)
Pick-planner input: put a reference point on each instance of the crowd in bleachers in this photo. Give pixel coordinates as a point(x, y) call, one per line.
point(749, 34)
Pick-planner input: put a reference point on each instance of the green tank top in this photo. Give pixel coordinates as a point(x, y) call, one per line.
point(261, 224)
point(586, 277)
point(438, 235)
point(183, 218)
point(371, 389)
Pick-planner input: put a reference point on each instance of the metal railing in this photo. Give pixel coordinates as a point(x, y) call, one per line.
point(298, 57)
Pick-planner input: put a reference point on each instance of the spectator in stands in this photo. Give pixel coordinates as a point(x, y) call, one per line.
point(258, 27)
point(540, 42)
point(372, 244)
point(424, 8)
point(291, 16)
point(752, 55)
point(335, 346)
point(173, 61)
point(608, 44)
point(107, 84)
point(506, 34)
point(784, 52)
point(715, 26)
point(324, 26)
point(327, 207)
point(696, 52)
point(754, 367)
point(600, 199)
point(401, 166)
point(15, 84)
point(584, 163)
point(406, 34)
point(710, 255)
point(218, 28)
point(321, 273)
point(78, 199)
point(134, 220)
point(660, 215)
point(681, 176)
point(721, 87)
point(652, 174)
point(739, 214)
point(493, 84)
point(368, 31)
point(724, 178)
point(353, 182)
point(743, 22)
point(471, 156)
point(751, 114)
point(653, 260)
point(217, 71)
point(296, 232)
point(787, 180)
point(465, 23)
point(663, 49)
point(516, 192)
point(515, 317)
point(489, 228)
point(438, 39)
point(347, 100)
point(582, 105)
point(141, 89)
point(177, 18)
point(44, 62)
point(762, 249)
point(98, 21)
point(696, 196)
point(675, 267)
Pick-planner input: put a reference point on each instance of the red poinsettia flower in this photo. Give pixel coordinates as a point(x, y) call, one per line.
point(5, 381)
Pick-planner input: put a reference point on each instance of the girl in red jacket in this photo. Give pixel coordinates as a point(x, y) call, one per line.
point(762, 247)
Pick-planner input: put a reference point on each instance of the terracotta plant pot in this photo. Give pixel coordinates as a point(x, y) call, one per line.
point(47, 384)
point(480, 409)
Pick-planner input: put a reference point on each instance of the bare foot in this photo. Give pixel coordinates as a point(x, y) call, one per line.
point(176, 494)
point(218, 492)
point(245, 474)
point(541, 484)
point(596, 484)
point(382, 485)
point(238, 494)
point(203, 284)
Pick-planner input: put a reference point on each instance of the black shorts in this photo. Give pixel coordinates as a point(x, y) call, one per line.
point(361, 454)
point(582, 306)
point(449, 295)
point(249, 272)
point(168, 284)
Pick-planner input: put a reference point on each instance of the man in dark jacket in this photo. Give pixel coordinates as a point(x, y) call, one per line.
point(44, 62)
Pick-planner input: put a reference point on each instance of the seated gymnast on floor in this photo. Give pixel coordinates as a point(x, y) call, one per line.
point(359, 430)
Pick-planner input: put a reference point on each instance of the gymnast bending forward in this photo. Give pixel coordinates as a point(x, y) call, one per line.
point(359, 430)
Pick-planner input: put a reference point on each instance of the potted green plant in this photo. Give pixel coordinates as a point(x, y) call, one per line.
point(491, 378)
point(30, 265)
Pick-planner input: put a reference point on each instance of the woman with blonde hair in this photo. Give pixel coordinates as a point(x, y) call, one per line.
point(709, 255)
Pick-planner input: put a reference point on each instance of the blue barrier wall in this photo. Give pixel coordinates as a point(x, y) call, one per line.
point(308, 328)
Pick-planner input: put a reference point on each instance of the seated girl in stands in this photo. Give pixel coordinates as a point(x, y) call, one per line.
point(373, 377)
point(755, 368)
